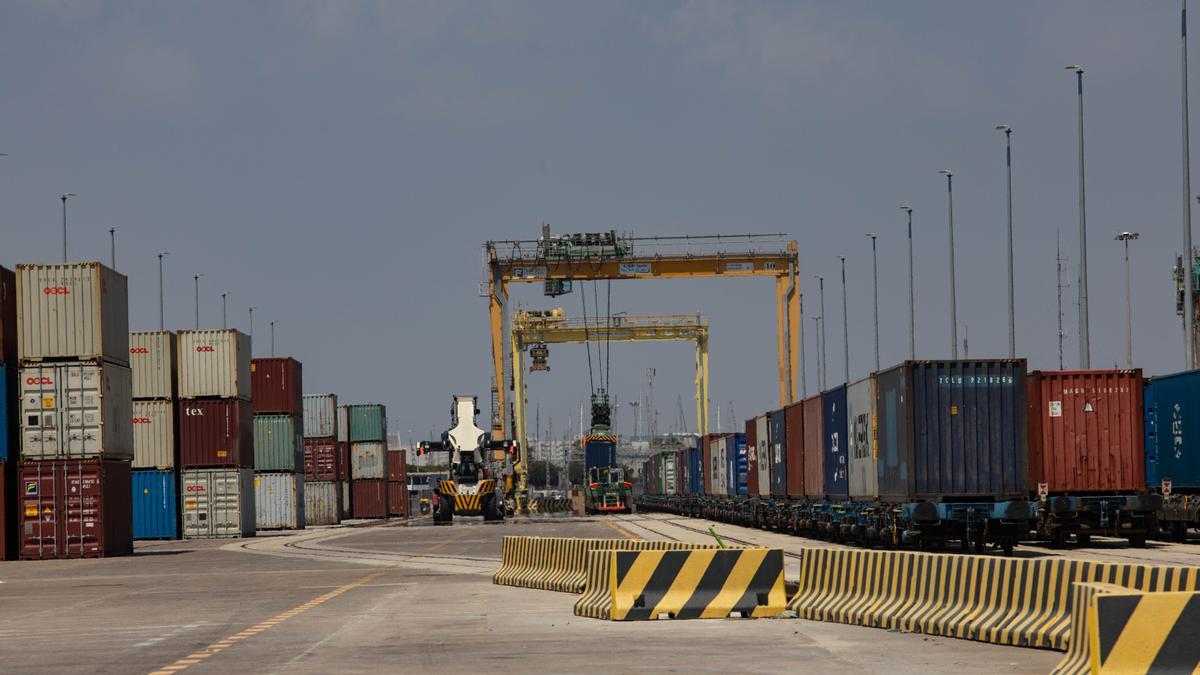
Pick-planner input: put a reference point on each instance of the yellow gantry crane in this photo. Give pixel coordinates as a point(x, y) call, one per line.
point(535, 330)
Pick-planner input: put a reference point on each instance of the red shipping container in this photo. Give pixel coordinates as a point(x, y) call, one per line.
point(793, 420)
point(215, 433)
point(8, 317)
point(276, 386)
point(398, 499)
point(369, 498)
point(75, 509)
point(1086, 431)
point(320, 459)
point(814, 447)
point(397, 467)
point(8, 511)
point(343, 458)
point(752, 456)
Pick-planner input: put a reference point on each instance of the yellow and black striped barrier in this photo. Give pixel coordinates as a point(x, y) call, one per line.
point(539, 505)
point(1136, 632)
point(1025, 602)
point(697, 584)
point(1078, 659)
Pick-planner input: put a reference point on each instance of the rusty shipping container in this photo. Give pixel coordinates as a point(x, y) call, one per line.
point(8, 316)
point(1086, 430)
point(8, 511)
point(751, 428)
point(369, 498)
point(154, 445)
point(397, 499)
point(814, 447)
point(322, 503)
point(794, 421)
point(153, 359)
point(72, 311)
point(343, 459)
point(706, 449)
point(276, 386)
point(76, 410)
point(320, 416)
point(368, 461)
point(75, 509)
point(320, 459)
point(214, 364)
point(397, 466)
point(215, 433)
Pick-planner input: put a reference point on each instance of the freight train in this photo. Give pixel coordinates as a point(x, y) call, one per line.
point(980, 453)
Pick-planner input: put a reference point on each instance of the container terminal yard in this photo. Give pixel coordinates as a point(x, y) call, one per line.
point(368, 338)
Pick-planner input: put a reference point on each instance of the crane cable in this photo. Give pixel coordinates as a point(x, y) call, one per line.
point(587, 339)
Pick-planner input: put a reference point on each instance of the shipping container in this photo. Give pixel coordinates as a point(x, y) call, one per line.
point(368, 422)
point(860, 428)
point(278, 500)
point(72, 311)
point(367, 460)
point(369, 498)
point(75, 509)
point(347, 499)
point(9, 424)
point(762, 437)
point(215, 433)
point(322, 503)
point(670, 472)
point(1086, 431)
point(751, 428)
point(397, 499)
point(952, 430)
point(777, 432)
point(217, 503)
point(695, 471)
point(153, 356)
point(737, 452)
point(397, 466)
point(814, 447)
point(708, 458)
point(320, 416)
point(794, 420)
point(720, 467)
point(155, 504)
point(343, 459)
point(8, 510)
point(154, 444)
point(8, 317)
point(76, 410)
point(276, 386)
point(837, 484)
point(278, 443)
point(343, 423)
point(321, 459)
point(600, 450)
point(1172, 405)
point(214, 364)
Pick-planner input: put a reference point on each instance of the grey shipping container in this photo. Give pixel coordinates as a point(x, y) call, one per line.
point(72, 311)
point(153, 359)
point(860, 430)
point(953, 430)
point(279, 500)
point(347, 492)
point(278, 445)
point(777, 428)
point(154, 429)
point(368, 460)
point(214, 364)
point(762, 435)
point(320, 416)
point(322, 503)
point(343, 423)
point(217, 503)
point(76, 410)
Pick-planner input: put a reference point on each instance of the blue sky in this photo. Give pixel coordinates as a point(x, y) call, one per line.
point(338, 166)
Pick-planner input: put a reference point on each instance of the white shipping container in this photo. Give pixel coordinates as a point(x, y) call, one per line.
point(279, 501)
point(320, 416)
point(346, 490)
point(720, 475)
point(861, 454)
point(72, 311)
point(762, 440)
point(154, 435)
point(670, 479)
point(217, 503)
point(214, 363)
point(152, 358)
point(76, 410)
point(368, 460)
point(322, 503)
point(343, 423)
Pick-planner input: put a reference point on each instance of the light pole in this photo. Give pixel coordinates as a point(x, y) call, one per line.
point(1085, 350)
point(1125, 238)
point(224, 323)
point(64, 215)
point(272, 338)
point(845, 326)
point(875, 294)
point(1189, 294)
point(821, 372)
point(196, 279)
point(953, 281)
point(162, 323)
point(1012, 321)
point(803, 372)
point(112, 242)
point(912, 318)
point(820, 350)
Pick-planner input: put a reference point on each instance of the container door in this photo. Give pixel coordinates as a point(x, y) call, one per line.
point(836, 467)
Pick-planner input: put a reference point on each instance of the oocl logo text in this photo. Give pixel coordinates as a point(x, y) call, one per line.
point(141, 420)
point(195, 488)
point(205, 348)
point(56, 290)
point(139, 350)
point(38, 380)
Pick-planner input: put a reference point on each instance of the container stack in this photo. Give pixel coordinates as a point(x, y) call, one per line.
point(9, 449)
point(76, 411)
point(368, 460)
point(278, 403)
point(343, 455)
point(322, 461)
point(397, 483)
point(152, 359)
point(216, 439)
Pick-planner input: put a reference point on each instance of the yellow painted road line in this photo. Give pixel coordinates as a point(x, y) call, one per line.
point(620, 530)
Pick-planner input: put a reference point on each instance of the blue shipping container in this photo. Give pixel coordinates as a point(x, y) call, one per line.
point(837, 468)
point(695, 479)
point(739, 465)
point(8, 410)
point(155, 505)
point(600, 453)
point(1172, 406)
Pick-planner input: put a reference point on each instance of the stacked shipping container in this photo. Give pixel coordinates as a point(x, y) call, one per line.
point(9, 448)
point(278, 402)
point(397, 483)
point(325, 502)
point(153, 359)
point(367, 436)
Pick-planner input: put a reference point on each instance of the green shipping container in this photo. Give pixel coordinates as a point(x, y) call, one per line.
point(278, 443)
point(368, 422)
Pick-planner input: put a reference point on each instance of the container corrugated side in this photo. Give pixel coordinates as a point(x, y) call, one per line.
point(893, 439)
point(320, 459)
point(277, 386)
point(8, 316)
point(860, 428)
point(751, 428)
point(347, 499)
point(215, 433)
point(814, 447)
point(153, 358)
point(343, 424)
point(214, 363)
point(320, 416)
point(322, 503)
point(278, 443)
point(720, 482)
point(397, 466)
point(75, 509)
point(837, 484)
point(279, 500)
point(777, 430)
point(217, 503)
point(794, 419)
point(8, 511)
point(1172, 405)
point(397, 499)
point(72, 311)
point(154, 444)
point(1086, 431)
point(155, 504)
point(709, 459)
point(762, 437)
point(739, 466)
point(370, 498)
point(75, 409)
point(368, 461)
point(368, 422)
point(9, 424)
